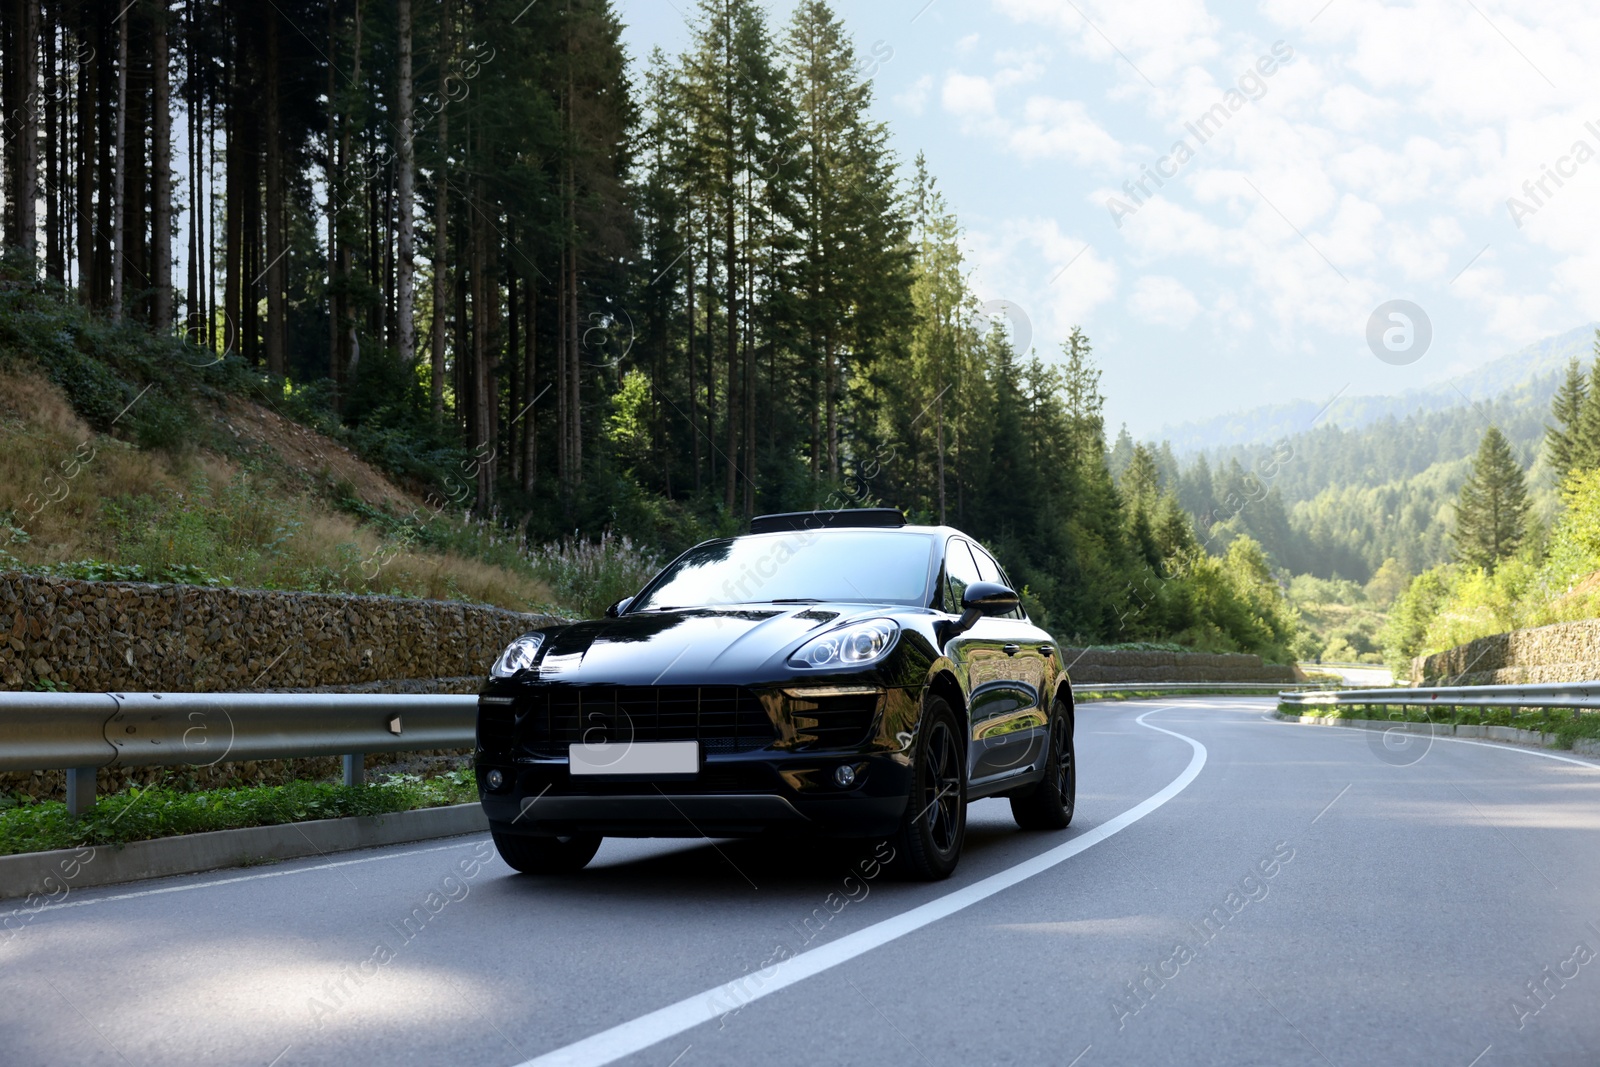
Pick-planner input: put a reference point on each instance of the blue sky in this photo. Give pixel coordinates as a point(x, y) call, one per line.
point(1369, 159)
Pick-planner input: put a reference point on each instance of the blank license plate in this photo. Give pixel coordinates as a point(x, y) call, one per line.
point(639, 757)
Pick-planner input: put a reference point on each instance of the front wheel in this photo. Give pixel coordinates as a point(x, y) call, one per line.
point(546, 855)
point(935, 821)
point(1048, 805)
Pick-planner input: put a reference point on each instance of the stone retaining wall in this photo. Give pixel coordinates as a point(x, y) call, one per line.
point(1562, 652)
point(1115, 665)
point(126, 636)
point(108, 636)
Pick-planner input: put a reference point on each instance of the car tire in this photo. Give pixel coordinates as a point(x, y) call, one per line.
point(546, 855)
point(935, 823)
point(1048, 805)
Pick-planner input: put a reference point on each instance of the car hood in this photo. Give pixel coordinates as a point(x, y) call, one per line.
point(695, 646)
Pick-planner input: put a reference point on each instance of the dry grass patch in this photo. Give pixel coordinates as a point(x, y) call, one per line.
point(69, 494)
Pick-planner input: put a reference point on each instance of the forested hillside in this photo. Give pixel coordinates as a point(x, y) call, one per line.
point(555, 288)
point(1336, 500)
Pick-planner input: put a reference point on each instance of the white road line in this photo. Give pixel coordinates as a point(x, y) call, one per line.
point(1498, 746)
point(1506, 746)
point(627, 1038)
point(227, 881)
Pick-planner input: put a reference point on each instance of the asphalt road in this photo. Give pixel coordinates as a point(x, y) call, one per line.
point(1233, 891)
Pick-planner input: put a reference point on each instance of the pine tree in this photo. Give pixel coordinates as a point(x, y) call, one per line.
point(1585, 439)
point(1141, 482)
point(1567, 407)
point(1121, 453)
point(1492, 511)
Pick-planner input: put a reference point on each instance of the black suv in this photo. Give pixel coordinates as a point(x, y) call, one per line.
point(839, 673)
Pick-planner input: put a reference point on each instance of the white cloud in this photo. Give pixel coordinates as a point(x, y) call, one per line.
point(915, 98)
point(1164, 300)
point(968, 96)
point(1063, 129)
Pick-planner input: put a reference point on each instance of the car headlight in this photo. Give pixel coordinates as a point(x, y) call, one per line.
point(518, 656)
point(848, 646)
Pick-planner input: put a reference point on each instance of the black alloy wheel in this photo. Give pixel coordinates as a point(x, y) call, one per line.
point(935, 822)
point(1048, 805)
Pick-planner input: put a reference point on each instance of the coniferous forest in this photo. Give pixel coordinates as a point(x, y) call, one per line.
point(570, 289)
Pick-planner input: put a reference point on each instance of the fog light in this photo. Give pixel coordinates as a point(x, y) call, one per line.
point(494, 779)
point(844, 777)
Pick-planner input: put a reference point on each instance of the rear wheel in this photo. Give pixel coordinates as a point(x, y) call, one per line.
point(546, 855)
point(935, 822)
point(1048, 805)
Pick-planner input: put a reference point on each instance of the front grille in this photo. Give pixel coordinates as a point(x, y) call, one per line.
point(549, 719)
point(833, 721)
point(496, 728)
point(733, 776)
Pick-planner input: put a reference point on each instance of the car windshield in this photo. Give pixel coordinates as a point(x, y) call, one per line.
point(860, 566)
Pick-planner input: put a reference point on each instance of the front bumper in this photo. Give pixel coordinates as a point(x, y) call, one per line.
point(736, 796)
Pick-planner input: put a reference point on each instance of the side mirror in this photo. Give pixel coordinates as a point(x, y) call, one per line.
point(982, 600)
point(988, 598)
point(619, 607)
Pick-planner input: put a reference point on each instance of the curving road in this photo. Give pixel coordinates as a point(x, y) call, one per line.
point(1233, 891)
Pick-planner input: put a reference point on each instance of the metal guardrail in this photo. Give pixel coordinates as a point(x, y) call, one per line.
point(1553, 695)
point(84, 732)
point(1144, 687)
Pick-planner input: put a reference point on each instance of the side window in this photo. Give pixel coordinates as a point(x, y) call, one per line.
point(989, 571)
point(959, 571)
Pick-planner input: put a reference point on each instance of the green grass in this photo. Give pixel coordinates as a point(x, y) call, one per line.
point(1567, 724)
point(145, 814)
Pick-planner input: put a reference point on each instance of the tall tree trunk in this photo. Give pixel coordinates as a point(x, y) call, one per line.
point(348, 351)
point(277, 269)
point(463, 346)
point(833, 408)
point(252, 271)
point(55, 92)
point(119, 182)
point(441, 219)
point(333, 169)
point(482, 326)
point(191, 326)
point(508, 433)
point(106, 169)
point(575, 404)
point(136, 181)
point(26, 59)
point(575, 360)
point(89, 91)
point(405, 327)
point(711, 361)
point(530, 438)
point(161, 178)
point(233, 216)
point(730, 264)
point(694, 379)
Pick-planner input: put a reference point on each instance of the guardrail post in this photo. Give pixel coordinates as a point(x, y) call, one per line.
point(80, 790)
point(355, 769)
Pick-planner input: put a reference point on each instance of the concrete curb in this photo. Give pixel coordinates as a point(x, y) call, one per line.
point(1509, 734)
point(53, 874)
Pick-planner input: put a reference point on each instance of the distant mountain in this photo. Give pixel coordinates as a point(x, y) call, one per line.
point(1533, 369)
point(1376, 477)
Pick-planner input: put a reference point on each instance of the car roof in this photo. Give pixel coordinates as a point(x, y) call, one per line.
point(826, 531)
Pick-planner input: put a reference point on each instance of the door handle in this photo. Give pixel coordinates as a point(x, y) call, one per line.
point(1011, 650)
point(1048, 650)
